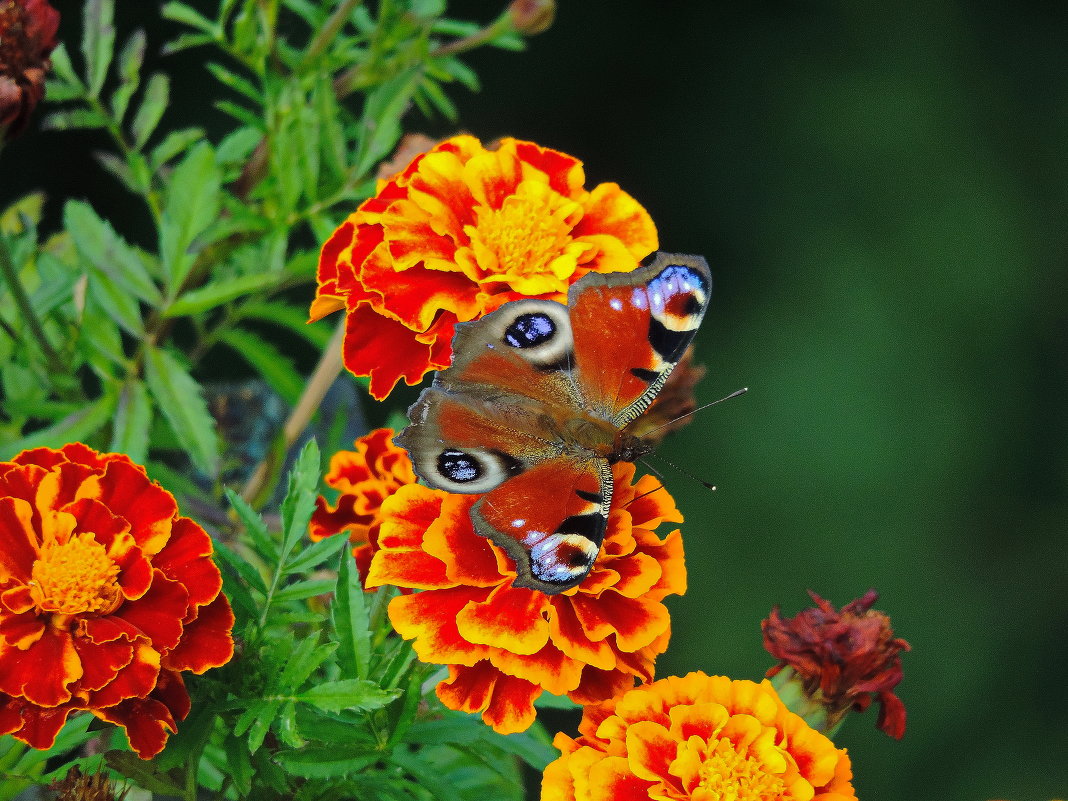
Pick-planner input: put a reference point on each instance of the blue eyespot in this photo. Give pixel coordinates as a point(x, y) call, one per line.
point(530, 330)
point(458, 466)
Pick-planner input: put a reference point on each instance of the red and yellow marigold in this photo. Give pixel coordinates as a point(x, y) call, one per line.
point(504, 645)
point(364, 479)
point(459, 232)
point(705, 738)
point(107, 595)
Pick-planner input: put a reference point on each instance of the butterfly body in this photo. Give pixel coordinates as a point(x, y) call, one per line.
point(539, 403)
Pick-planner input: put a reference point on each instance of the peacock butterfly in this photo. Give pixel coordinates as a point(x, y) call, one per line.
point(540, 401)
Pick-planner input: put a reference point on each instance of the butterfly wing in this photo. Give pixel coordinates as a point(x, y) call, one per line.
point(630, 330)
point(498, 410)
point(551, 520)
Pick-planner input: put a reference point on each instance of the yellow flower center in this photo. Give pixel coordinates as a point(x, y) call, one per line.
point(527, 235)
point(728, 775)
point(75, 577)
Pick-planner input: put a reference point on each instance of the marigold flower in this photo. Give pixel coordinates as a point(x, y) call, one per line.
point(841, 659)
point(365, 477)
point(27, 37)
point(461, 231)
point(504, 645)
point(106, 596)
point(696, 737)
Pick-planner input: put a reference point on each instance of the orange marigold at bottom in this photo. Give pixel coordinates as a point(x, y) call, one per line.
point(504, 645)
point(106, 596)
point(697, 737)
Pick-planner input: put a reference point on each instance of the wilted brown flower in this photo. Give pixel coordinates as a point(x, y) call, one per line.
point(842, 659)
point(78, 786)
point(27, 37)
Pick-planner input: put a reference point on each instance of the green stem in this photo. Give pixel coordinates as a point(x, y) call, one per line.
point(503, 24)
point(328, 31)
point(22, 300)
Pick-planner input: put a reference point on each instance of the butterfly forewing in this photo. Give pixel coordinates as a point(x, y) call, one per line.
point(631, 329)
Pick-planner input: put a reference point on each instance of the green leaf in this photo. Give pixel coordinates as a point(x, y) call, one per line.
point(70, 119)
point(77, 427)
point(300, 662)
point(130, 60)
point(276, 369)
point(63, 69)
point(238, 83)
point(192, 205)
point(146, 774)
point(315, 554)
point(98, 41)
point(427, 776)
point(299, 502)
point(108, 253)
point(256, 529)
point(302, 590)
point(237, 591)
point(180, 12)
point(241, 771)
point(218, 292)
point(324, 762)
point(150, 112)
point(334, 696)
point(348, 613)
point(174, 143)
point(287, 726)
point(133, 419)
point(381, 118)
point(182, 402)
point(292, 318)
point(186, 41)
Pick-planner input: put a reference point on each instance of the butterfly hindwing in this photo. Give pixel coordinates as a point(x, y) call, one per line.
point(550, 520)
point(631, 329)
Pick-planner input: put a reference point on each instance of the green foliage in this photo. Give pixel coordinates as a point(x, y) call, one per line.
point(105, 332)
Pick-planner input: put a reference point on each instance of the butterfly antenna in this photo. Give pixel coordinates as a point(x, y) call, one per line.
point(734, 394)
point(706, 484)
point(654, 489)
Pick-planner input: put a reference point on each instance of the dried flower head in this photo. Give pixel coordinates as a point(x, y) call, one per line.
point(843, 659)
point(27, 37)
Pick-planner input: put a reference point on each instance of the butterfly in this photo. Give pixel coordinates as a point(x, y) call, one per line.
point(541, 400)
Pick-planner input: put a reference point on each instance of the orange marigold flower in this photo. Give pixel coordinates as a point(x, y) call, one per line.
point(841, 659)
point(461, 231)
point(697, 737)
point(504, 645)
point(364, 477)
point(106, 596)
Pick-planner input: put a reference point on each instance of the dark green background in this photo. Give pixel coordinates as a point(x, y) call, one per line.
point(881, 191)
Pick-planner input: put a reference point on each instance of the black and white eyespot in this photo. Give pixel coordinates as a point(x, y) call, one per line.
point(539, 329)
point(471, 470)
point(563, 559)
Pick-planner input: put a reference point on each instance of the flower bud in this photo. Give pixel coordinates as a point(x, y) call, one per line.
point(530, 17)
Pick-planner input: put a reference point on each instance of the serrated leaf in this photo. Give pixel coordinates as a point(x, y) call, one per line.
point(173, 144)
point(302, 590)
point(276, 369)
point(238, 83)
point(145, 774)
point(133, 418)
point(98, 41)
point(187, 15)
point(334, 696)
point(315, 554)
point(130, 60)
point(216, 293)
point(107, 252)
point(262, 724)
point(76, 427)
point(348, 613)
point(63, 68)
point(300, 662)
point(70, 119)
point(150, 111)
point(324, 762)
point(237, 758)
point(192, 204)
point(181, 400)
point(427, 777)
point(237, 591)
point(255, 527)
point(287, 726)
point(299, 502)
point(292, 318)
